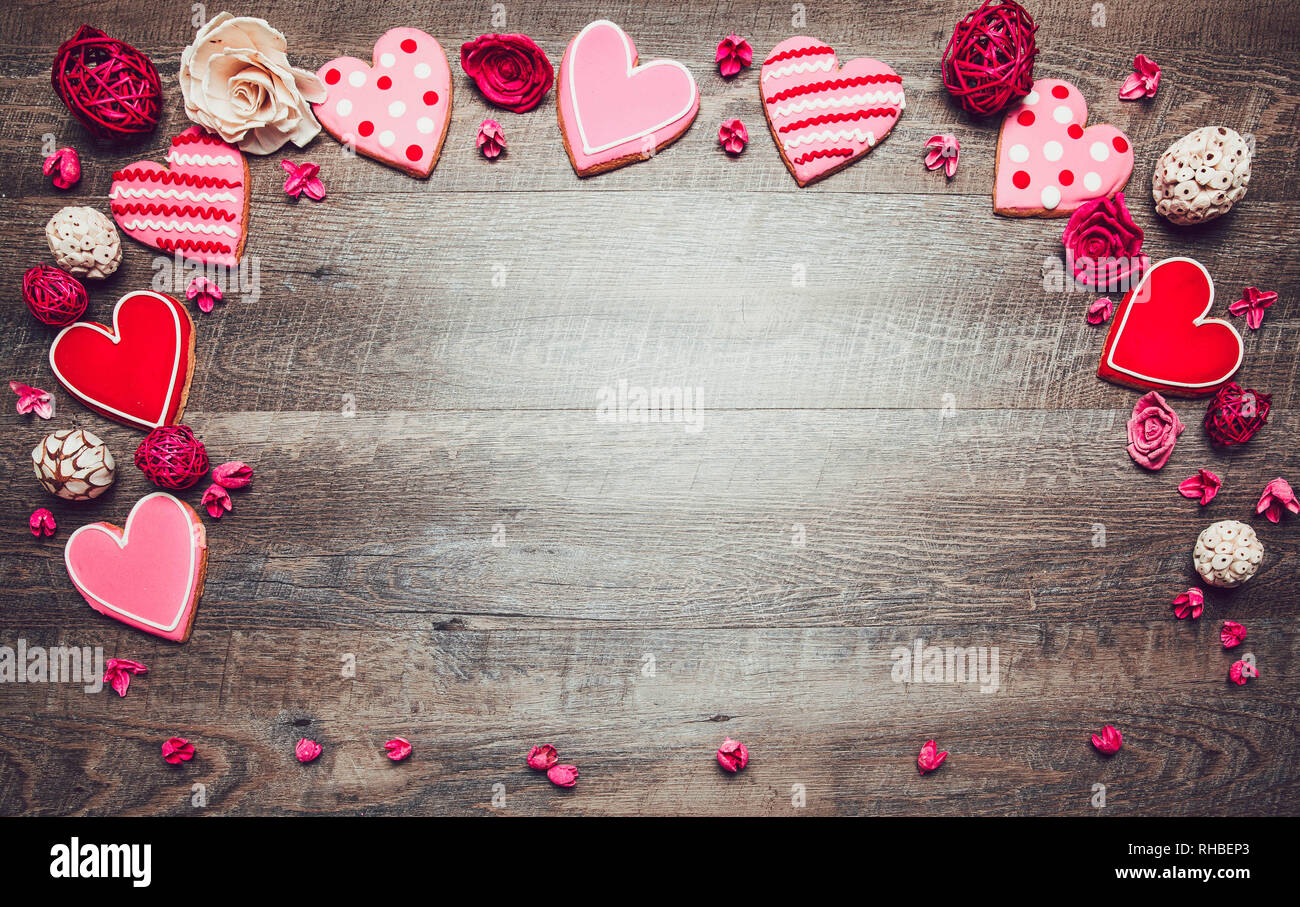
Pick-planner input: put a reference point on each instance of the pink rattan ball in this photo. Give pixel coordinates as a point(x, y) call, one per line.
point(989, 61)
point(109, 86)
point(171, 457)
point(53, 296)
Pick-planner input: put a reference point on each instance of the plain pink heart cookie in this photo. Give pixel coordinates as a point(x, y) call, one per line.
point(1048, 163)
point(149, 575)
point(614, 112)
point(197, 205)
point(825, 116)
point(396, 111)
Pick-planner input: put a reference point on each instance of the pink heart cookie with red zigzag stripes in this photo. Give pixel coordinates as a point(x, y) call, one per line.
point(825, 116)
point(197, 205)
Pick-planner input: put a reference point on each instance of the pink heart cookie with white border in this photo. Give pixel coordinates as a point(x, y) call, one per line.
point(149, 575)
point(396, 111)
point(1048, 163)
point(825, 116)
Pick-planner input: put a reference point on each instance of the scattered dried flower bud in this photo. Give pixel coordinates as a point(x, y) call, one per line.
point(217, 500)
point(1241, 672)
point(302, 178)
point(1233, 634)
point(733, 136)
point(42, 523)
point(176, 750)
point(118, 673)
point(63, 167)
point(1277, 497)
point(1190, 604)
point(204, 293)
point(1204, 485)
point(930, 758)
point(32, 400)
point(1100, 311)
point(233, 474)
point(1109, 741)
point(1252, 304)
point(542, 757)
point(733, 755)
point(491, 139)
point(306, 750)
point(563, 775)
point(398, 748)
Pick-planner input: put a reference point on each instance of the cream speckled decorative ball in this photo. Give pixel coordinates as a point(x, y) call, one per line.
point(1227, 553)
point(1201, 176)
point(74, 464)
point(84, 242)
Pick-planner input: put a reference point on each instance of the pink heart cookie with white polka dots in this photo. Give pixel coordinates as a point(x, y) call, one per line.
point(396, 111)
point(1048, 162)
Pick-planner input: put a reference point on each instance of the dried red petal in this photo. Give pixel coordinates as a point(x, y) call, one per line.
point(1241, 672)
point(42, 522)
point(1276, 499)
point(1233, 634)
point(217, 500)
point(542, 757)
point(233, 474)
point(930, 758)
point(117, 673)
point(398, 748)
point(733, 755)
point(307, 750)
point(1190, 604)
point(176, 750)
point(1110, 740)
point(63, 167)
point(1204, 486)
point(563, 775)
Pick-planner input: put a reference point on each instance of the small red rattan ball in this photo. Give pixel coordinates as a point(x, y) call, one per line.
point(55, 297)
point(1235, 414)
point(109, 86)
point(171, 457)
point(989, 61)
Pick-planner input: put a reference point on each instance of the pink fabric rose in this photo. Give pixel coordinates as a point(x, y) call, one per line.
point(1103, 247)
point(1152, 431)
point(510, 70)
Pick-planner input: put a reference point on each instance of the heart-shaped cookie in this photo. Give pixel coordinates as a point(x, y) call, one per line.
point(396, 111)
point(1048, 163)
point(1162, 338)
point(138, 371)
point(197, 205)
point(614, 112)
point(148, 575)
point(825, 116)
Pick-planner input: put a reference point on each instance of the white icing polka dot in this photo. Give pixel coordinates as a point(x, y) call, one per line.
point(1031, 99)
point(423, 70)
point(387, 60)
point(1062, 114)
point(1018, 153)
point(343, 107)
point(396, 109)
point(357, 78)
point(424, 124)
point(1051, 197)
point(1053, 151)
point(1099, 151)
point(387, 138)
point(1091, 182)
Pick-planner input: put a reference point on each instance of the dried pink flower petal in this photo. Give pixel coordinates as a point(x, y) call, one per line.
point(33, 400)
point(176, 750)
point(1190, 604)
point(1232, 634)
point(563, 775)
point(1277, 497)
point(944, 151)
point(306, 750)
point(1109, 741)
point(64, 166)
point(1241, 672)
point(734, 54)
point(217, 500)
point(303, 178)
point(733, 755)
point(491, 139)
point(1143, 82)
point(118, 673)
point(930, 758)
point(398, 748)
point(733, 136)
point(1100, 311)
point(1204, 485)
point(42, 523)
point(542, 757)
point(204, 292)
point(233, 474)
point(1252, 304)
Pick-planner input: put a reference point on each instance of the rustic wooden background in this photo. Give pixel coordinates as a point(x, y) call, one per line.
point(506, 570)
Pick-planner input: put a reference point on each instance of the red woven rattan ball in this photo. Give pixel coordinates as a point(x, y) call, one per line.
point(55, 297)
point(1235, 414)
point(108, 85)
point(989, 61)
point(171, 457)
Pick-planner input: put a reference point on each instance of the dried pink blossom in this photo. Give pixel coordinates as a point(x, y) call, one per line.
point(930, 758)
point(204, 292)
point(1204, 485)
point(217, 500)
point(1241, 672)
point(64, 166)
point(398, 748)
point(1276, 498)
point(303, 178)
point(233, 474)
point(733, 136)
point(1143, 82)
point(1100, 311)
point(1252, 304)
point(176, 750)
point(944, 152)
point(33, 400)
point(1153, 430)
point(542, 757)
point(734, 54)
point(306, 750)
point(1109, 741)
point(42, 523)
point(1232, 634)
point(491, 139)
point(118, 673)
point(563, 775)
point(1190, 604)
point(733, 755)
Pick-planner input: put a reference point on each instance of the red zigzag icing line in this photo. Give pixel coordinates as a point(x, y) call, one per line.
point(834, 83)
point(190, 211)
point(193, 245)
point(168, 177)
point(196, 137)
point(800, 52)
point(838, 118)
point(825, 152)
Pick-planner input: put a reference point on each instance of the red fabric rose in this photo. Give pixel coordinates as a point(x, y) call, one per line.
point(1152, 431)
point(1103, 247)
point(510, 70)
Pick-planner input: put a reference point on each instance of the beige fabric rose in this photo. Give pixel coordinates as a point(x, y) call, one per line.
point(238, 82)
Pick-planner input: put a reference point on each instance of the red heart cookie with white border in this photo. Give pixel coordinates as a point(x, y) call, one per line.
point(138, 371)
point(1162, 338)
point(1048, 163)
point(149, 575)
point(396, 111)
point(197, 205)
point(825, 116)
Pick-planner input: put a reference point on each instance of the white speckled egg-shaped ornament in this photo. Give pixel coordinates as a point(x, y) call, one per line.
point(84, 242)
point(74, 464)
point(1227, 553)
point(1201, 176)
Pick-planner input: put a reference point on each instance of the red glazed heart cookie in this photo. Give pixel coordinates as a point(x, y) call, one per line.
point(149, 575)
point(395, 111)
point(1048, 163)
point(825, 116)
point(1161, 338)
point(138, 371)
point(197, 205)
